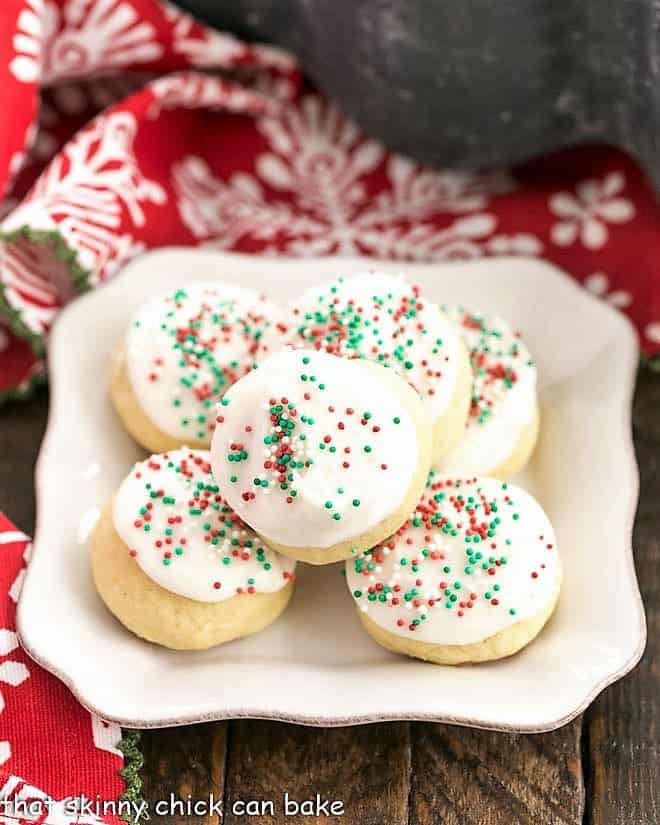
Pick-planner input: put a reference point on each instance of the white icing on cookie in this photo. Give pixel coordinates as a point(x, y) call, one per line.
point(185, 348)
point(383, 318)
point(503, 395)
point(477, 556)
point(170, 514)
point(312, 450)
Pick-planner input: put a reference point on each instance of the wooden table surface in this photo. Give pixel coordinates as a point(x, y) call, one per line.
point(603, 768)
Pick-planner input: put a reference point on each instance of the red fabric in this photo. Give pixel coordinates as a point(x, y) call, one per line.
point(114, 139)
point(51, 748)
point(254, 161)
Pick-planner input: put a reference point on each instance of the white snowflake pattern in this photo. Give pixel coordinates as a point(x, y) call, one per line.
point(417, 192)
point(461, 240)
point(652, 332)
point(322, 167)
point(598, 284)
point(79, 39)
point(202, 47)
point(228, 211)
point(90, 193)
point(11, 537)
point(36, 27)
point(585, 215)
point(207, 48)
point(465, 238)
point(194, 90)
point(88, 186)
point(17, 584)
point(12, 673)
point(520, 243)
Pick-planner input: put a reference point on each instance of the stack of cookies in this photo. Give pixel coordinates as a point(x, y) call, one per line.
point(362, 424)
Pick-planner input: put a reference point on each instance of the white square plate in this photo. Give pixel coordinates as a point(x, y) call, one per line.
point(316, 665)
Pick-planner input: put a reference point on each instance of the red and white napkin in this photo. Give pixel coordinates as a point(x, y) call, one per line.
point(52, 751)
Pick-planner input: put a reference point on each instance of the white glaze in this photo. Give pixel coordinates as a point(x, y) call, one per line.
point(496, 347)
point(525, 583)
point(201, 565)
point(331, 382)
point(385, 331)
point(180, 399)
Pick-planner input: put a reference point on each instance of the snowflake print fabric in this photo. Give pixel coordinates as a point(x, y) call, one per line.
point(118, 143)
point(51, 748)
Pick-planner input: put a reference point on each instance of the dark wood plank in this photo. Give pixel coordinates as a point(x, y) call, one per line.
point(186, 764)
point(471, 777)
point(367, 768)
point(646, 432)
point(622, 728)
point(22, 425)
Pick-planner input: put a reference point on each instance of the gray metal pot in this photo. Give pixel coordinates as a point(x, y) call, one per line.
point(474, 83)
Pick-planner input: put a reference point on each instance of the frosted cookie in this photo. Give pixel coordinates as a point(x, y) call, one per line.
point(322, 456)
point(503, 423)
point(176, 566)
point(383, 318)
point(181, 352)
point(473, 575)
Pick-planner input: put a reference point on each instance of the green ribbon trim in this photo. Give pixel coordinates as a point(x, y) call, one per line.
point(63, 252)
point(129, 745)
point(650, 362)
